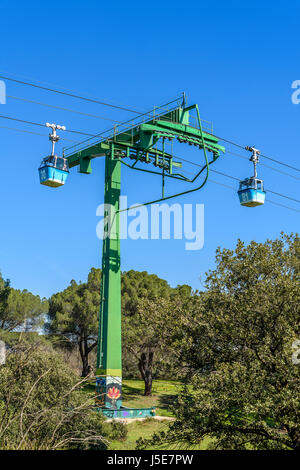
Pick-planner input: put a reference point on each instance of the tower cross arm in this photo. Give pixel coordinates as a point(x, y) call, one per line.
point(143, 134)
point(182, 132)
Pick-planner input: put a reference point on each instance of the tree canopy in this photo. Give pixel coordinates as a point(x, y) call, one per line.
point(73, 314)
point(4, 294)
point(242, 387)
point(148, 336)
point(137, 285)
point(20, 310)
point(149, 308)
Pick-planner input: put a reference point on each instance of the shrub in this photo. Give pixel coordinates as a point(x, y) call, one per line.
point(42, 404)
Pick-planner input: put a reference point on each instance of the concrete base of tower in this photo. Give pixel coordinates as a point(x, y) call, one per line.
point(124, 412)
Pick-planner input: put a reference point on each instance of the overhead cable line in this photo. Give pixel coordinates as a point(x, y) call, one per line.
point(63, 109)
point(54, 85)
point(222, 184)
point(72, 95)
point(30, 132)
point(41, 125)
point(283, 195)
point(280, 163)
point(261, 155)
point(266, 166)
point(283, 205)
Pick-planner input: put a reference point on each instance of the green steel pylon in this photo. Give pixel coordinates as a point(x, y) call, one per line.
point(109, 353)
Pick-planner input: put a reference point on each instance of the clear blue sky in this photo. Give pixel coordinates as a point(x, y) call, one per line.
point(237, 60)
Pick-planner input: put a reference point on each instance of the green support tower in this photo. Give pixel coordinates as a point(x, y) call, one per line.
point(136, 144)
point(109, 354)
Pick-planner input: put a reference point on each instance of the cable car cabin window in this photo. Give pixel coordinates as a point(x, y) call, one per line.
point(60, 164)
point(50, 160)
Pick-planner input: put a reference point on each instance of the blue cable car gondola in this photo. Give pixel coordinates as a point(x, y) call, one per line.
point(251, 190)
point(54, 170)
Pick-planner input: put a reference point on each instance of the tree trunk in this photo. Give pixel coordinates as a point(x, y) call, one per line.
point(148, 384)
point(85, 350)
point(84, 354)
point(145, 368)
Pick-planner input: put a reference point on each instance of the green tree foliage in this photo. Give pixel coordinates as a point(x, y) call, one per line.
point(20, 310)
point(43, 406)
point(242, 388)
point(148, 307)
point(137, 285)
point(148, 337)
point(4, 293)
point(73, 315)
point(24, 310)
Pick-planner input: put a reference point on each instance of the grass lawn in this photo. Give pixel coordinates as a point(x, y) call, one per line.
point(164, 394)
point(146, 429)
point(138, 429)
